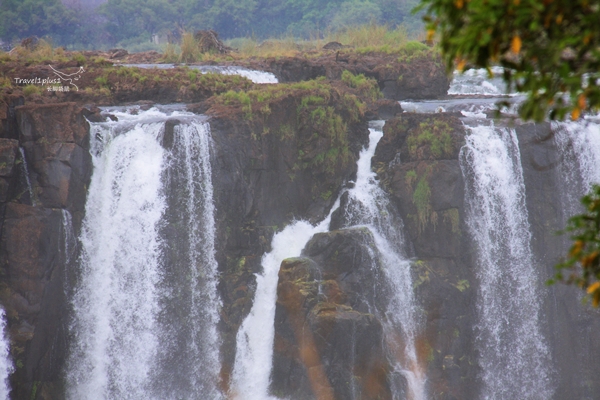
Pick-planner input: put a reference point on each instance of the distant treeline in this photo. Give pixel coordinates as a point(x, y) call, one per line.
point(130, 22)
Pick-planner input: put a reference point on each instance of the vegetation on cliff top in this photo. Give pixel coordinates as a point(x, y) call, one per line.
point(107, 84)
point(313, 116)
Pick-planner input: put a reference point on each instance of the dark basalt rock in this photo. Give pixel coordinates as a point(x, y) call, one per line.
point(33, 261)
point(425, 182)
point(261, 183)
point(417, 163)
point(328, 342)
point(420, 77)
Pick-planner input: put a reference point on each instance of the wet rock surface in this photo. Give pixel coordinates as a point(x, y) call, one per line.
point(329, 336)
point(44, 174)
point(399, 76)
point(328, 341)
point(263, 180)
point(417, 163)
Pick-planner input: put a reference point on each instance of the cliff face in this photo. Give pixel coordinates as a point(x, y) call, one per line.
point(429, 190)
point(288, 156)
point(270, 169)
point(417, 161)
point(46, 173)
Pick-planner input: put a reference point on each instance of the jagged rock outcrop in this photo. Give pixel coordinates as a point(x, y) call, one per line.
point(329, 341)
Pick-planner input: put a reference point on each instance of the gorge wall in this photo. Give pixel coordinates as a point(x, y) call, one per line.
point(287, 157)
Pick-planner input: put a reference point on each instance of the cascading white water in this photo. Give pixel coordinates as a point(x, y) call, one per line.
point(6, 365)
point(123, 305)
point(69, 249)
point(117, 302)
point(579, 145)
point(254, 75)
point(478, 81)
point(514, 356)
point(254, 352)
point(69, 239)
point(190, 349)
point(26, 173)
point(368, 205)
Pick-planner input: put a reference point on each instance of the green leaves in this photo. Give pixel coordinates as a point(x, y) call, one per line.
point(582, 266)
point(551, 46)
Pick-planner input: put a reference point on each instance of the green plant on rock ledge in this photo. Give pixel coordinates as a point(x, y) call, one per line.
point(421, 200)
point(432, 133)
point(367, 87)
point(452, 216)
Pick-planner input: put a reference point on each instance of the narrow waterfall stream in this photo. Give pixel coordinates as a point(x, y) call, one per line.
point(254, 351)
point(26, 175)
point(6, 364)
point(367, 206)
point(579, 143)
point(139, 332)
point(514, 356)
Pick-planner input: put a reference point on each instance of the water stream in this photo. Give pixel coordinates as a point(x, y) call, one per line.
point(254, 351)
point(6, 365)
point(125, 343)
point(579, 145)
point(26, 174)
point(367, 206)
point(514, 355)
point(254, 75)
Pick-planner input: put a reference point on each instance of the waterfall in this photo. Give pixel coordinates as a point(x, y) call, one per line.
point(514, 356)
point(368, 205)
point(6, 365)
point(69, 249)
point(26, 174)
point(189, 348)
point(254, 353)
point(127, 300)
point(69, 239)
point(579, 144)
point(478, 82)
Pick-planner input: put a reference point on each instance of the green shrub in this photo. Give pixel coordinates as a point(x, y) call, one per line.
point(31, 90)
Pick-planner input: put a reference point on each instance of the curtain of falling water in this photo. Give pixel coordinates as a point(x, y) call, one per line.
point(146, 305)
point(514, 355)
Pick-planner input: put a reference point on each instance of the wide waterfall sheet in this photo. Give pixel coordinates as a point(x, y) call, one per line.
point(146, 304)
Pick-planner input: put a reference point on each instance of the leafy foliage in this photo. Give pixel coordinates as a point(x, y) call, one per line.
point(133, 22)
point(583, 262)
point(550, 49)
point(24, 18)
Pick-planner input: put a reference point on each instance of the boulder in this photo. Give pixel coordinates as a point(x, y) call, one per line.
point(328, 342)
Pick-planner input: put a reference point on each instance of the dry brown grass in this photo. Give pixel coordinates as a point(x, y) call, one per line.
point(190, 52)
point(363, 38)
